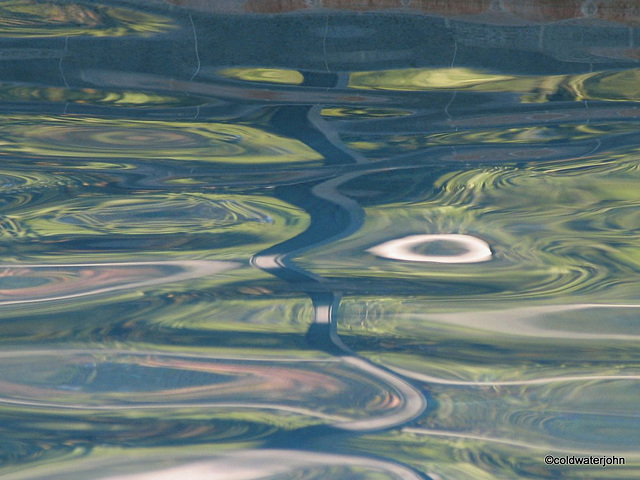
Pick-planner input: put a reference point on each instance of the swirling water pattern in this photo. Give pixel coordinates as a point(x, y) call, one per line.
point(289, 239)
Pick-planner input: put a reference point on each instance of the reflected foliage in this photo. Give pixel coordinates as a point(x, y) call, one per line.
point(23, 18)
point(86, 137)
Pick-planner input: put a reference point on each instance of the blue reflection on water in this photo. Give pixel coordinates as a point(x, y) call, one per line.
point(268, 239)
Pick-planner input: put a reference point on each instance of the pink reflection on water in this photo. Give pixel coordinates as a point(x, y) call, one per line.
point(346, 392)
point(66, 281)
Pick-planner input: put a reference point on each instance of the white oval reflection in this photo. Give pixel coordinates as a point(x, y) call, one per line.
point(474, 249)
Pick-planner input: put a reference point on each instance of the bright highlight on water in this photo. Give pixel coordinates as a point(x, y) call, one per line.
point(474, 249)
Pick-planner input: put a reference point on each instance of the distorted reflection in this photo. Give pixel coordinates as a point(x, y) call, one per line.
point(472, 249)
point(318, 239)
point(105, 138)
point(343, 392)
point(27, 284)
point(240, 465)
point(22, 18)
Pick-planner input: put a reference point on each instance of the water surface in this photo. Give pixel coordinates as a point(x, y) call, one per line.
point(266, 240)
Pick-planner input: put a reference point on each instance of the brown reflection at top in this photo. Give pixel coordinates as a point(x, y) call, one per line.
point(433, 7)
point(486, 11)
point(542, 11)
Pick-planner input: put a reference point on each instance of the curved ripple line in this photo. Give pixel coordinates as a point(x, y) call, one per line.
point(195, 44)
point(194, 269)
point(22, 19)
point(322, 334)
point(535, 381)
point(76, 136)
point(231, 465)
point(253, 383)
point(260, 464)
point(414, 401)
point(114, 408)
point(146, 352)
point(401, 249)
point(504, 441)
point(521, 325)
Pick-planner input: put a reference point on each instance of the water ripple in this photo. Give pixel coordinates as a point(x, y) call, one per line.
point(21, 18)
point(164, 214)
point(237, 465)
point(555, 228)
point(94, 137)
point(577, 414)
point(88, 220)
point(23, 284)
point(40, 95)
point(347, 393)
point(22, 188)
point(407, 235)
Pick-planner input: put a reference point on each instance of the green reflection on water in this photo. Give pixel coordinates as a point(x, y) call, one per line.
point(91, 96)
point(81, 230)
point(554, 229)
point(535, 347)
point(264, 75)
point(488, 343)
point(362, 112)
point(413, 79)
point(620, 86)
point(94, 137)
point(25, 19)
point(606, 85)
point(384, 145)
point(157, 214)
point(469, 456)
point(234, 310)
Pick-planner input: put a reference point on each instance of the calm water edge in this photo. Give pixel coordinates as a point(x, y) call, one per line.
point(319, 239)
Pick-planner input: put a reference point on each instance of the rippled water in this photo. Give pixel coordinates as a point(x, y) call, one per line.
point(271, 239)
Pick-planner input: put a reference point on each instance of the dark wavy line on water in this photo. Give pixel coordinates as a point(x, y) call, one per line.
point(346, 218)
